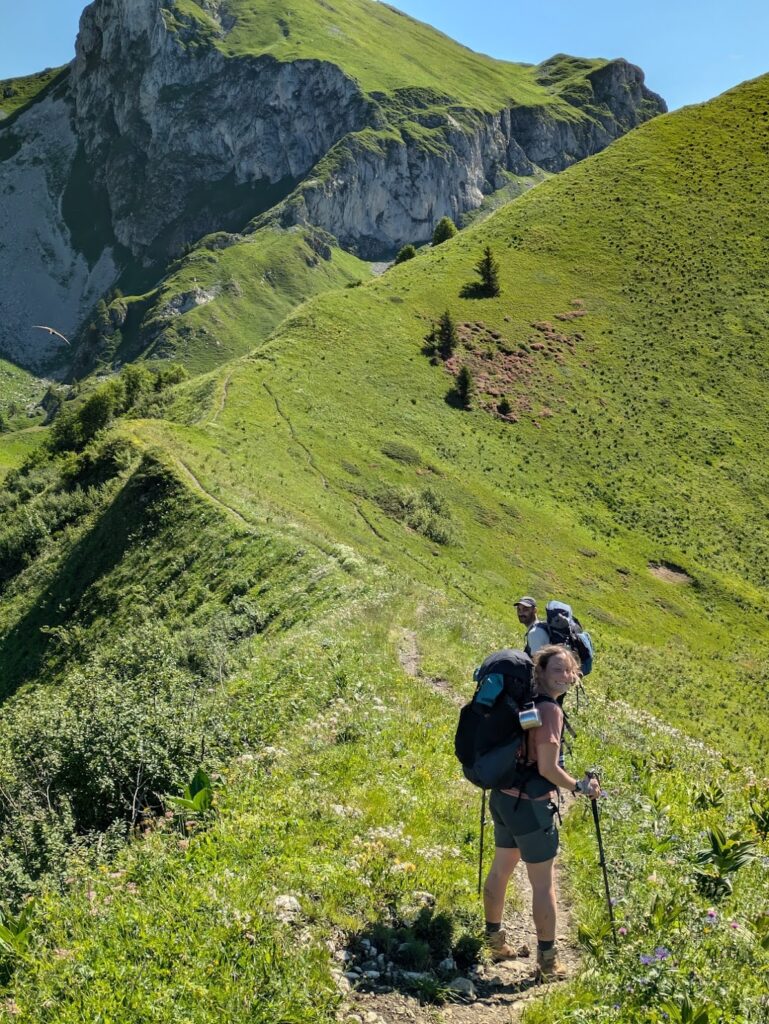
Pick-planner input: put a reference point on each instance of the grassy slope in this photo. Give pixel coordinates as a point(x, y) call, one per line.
point(355, 33)
point(24, 90)
point(20, 392)
point(632, 449)
point(420, 63)
point(301, 440)
point(271, 271)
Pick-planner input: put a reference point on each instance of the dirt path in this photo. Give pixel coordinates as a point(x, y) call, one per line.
point(411, 663)
point(198, 486)
point(294, 436)
point(501, 991)
point(222, 397)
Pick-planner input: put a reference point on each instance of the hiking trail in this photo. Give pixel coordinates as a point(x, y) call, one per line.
point(222, 398)
point(502, 990)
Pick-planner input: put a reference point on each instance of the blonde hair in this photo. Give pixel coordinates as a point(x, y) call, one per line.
point(542, 658)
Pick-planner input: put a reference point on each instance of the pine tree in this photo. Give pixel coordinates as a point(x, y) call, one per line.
point(447, 336)
point(465, 387)
point(488, 269)
point(444, 229)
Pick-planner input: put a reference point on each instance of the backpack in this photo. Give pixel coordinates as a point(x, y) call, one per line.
point(489, 739)
point(562, 627)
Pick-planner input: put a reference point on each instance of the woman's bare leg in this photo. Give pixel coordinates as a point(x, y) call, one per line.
point(542, 878)
point(495, 886)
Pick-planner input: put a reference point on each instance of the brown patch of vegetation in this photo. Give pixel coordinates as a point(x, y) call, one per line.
point(670, 573)
point(503, 369)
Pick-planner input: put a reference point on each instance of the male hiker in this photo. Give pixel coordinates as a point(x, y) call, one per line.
point(526, 609)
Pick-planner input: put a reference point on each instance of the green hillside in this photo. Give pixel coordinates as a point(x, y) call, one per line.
point(308, 549)
point(17, 93)
point(624, 449)
point(353, 34)
point(193, 314)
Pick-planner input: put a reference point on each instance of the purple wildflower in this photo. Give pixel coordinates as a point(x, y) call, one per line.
point(734, 924)
point(712, 914)
point(661, 953)
point(646, 959)
point(622, 930)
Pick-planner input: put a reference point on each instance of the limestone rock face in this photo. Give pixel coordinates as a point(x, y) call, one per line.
point(179, 134)
point(43, 278)
point(379, 198)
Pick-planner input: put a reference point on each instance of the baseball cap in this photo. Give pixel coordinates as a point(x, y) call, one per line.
point(527, 602)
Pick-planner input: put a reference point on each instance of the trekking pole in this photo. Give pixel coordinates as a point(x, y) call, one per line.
point(480, 855)
point(602, 861)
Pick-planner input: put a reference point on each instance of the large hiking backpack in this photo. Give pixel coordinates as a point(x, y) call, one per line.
point(563, 627)
point(489, 736)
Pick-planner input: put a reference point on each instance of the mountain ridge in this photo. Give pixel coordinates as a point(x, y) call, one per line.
point(159, 137)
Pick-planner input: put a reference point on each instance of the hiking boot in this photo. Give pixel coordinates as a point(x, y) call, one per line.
point(498, 947)
point(549, 968)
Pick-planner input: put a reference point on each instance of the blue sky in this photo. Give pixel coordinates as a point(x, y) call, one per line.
point(691, 50)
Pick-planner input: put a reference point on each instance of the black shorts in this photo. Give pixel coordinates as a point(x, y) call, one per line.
point(526, 825)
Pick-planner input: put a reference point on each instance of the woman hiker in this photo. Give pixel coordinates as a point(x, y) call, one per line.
point(524, 826)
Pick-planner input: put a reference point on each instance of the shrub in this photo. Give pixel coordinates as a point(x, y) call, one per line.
point(400, 452)
point(408, 252)
point(444, 230)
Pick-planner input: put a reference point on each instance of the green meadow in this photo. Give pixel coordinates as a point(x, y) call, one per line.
point(228, 574)
point(357, 34)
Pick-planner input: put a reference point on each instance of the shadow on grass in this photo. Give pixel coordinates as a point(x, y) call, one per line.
point(475, 290)
point(456, 400)
point(417, 958)
point(422, 960)
point(25, 649)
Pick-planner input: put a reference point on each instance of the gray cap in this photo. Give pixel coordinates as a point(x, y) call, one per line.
point(527, 602)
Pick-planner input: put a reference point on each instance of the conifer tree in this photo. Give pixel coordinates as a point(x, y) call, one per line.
point(447, 336)
point(444, 229)
point(488, 269)
point(465, 387)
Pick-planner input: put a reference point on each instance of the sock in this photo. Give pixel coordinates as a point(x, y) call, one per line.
point(492, 928)
point(543, 945)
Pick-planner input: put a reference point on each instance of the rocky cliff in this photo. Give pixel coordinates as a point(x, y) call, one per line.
point(389, 190)
point(157, 137)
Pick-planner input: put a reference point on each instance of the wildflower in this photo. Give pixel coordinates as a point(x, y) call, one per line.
point(622, 930)
point(712, 914)
point(645, 959)
point(733, 924)
point(661, 953)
